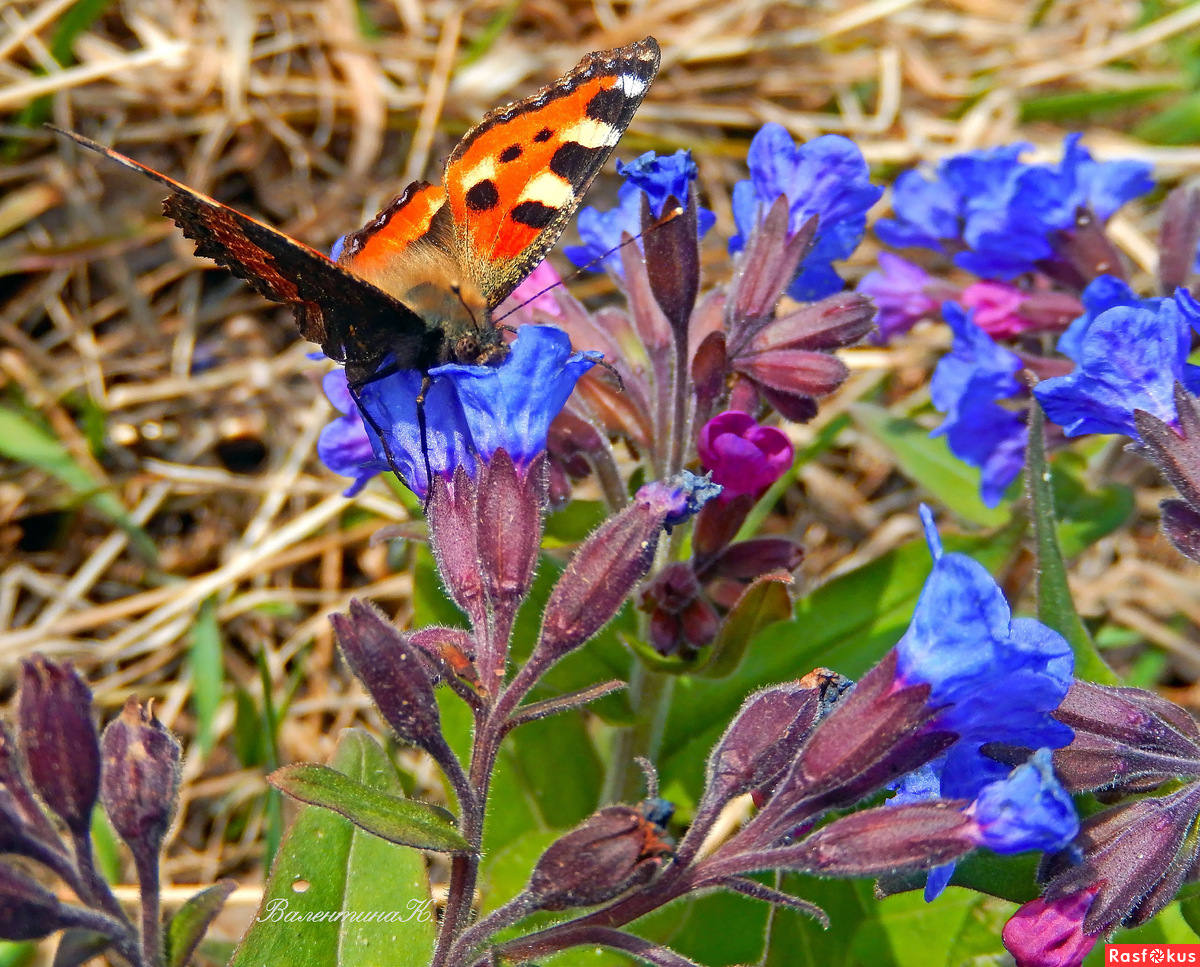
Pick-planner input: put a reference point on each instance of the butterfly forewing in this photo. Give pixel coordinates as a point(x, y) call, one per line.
point(343, 313)
point(516, 178)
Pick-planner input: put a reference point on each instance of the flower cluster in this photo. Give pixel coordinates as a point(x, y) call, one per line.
point(1035, 233)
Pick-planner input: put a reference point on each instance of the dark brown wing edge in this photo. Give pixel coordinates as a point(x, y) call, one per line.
point(352, 320)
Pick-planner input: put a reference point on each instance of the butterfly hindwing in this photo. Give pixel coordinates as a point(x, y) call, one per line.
point(516, 178)
point(351, 319)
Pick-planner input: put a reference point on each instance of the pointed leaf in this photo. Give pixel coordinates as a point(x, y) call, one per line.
point(340, 897)
point(191, 921)
point(78, 946)
point(763, 603)
point(394, 818)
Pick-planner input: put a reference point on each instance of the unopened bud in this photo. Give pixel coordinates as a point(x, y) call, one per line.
point(140, 778)
point(58, 739)
point(615, 849)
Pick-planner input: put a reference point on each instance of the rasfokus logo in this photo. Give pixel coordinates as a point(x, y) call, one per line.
point(1155, 954)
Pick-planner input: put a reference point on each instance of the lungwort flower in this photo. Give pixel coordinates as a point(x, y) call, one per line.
point(966, 386)
point(470, 412)
point(658, 177)
point(999, 216)
point(1129, 358)
point(826, 177)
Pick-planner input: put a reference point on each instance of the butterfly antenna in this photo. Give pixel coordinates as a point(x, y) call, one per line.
point(666, 217)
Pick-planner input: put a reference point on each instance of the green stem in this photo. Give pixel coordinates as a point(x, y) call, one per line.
point(650, 694)
point(1055, 606)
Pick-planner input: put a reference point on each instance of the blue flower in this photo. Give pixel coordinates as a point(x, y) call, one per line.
point(995, 678)
point(470, 411)
point(898, 291)
point(659, 177)
point(1103, 293)
point(999, 215)
point(966, 385)
point(344, 446)
point(826, 177)
point(1028, 809)
point(1129, 357)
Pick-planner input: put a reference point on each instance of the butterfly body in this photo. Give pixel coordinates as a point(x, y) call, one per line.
point(416, 286)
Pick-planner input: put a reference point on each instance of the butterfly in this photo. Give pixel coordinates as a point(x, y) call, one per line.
point(415, 287)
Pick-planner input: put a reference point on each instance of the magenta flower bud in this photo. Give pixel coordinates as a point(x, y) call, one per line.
point(58, 740)
point(139, 782)
point(997, 308)
point(1049, 933)
point(886, 840)
point(453, 520)
point(615, 849)
point(509, 507)
point(396, 674)
point(744, 457)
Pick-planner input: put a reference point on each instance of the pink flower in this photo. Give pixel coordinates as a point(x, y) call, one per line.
point(536, 291)
point(997, 308)
point(1050, 933)
point(744, 457)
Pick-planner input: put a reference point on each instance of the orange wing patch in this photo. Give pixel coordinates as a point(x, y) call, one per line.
point(385, 238)
point(515, 179)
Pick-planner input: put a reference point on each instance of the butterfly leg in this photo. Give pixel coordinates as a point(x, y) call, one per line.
point(424, 428)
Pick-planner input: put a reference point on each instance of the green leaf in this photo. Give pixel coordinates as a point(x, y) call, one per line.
point(77, 947)
point(928, 461)
point(1178, 123)
point(191, 921)
point(406, 822)
point(1055, 607)
point(367, 900)
point(105, 846)
point(26, 442)
point(573, 523)
point(763, 603)
point(208, 672)
point(1088, 106)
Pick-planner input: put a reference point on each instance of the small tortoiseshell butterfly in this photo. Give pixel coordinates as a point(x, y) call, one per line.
point(416, 286)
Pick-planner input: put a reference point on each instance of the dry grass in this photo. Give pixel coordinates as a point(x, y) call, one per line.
point(206, 404)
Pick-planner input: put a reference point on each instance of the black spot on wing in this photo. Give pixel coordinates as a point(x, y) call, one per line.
point(570, 159)
point(511, 153)
point(482, 196)
point(607, 106)
point(534, 214)
point(543, 135)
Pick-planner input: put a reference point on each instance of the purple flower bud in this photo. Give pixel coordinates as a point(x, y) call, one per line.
point(900, 294)
point(58, 740)
point(615, 849)
point(771, 260)
point(27, 910)
point(876, 842)
point(396, 674)
point(795, 373)
point(833, 322)
point(672, 251)
point(744, 457)
point(682, 621)
point(1178, 238)
point(453, 538)
point(1181, 524)
point(602, 573)
point(1124, 738)
point(761, 741)
point(1049, 933)
point(746, 560)
point(718, 523)
point(1176, 453)
point(509, 507)
point(139, 782)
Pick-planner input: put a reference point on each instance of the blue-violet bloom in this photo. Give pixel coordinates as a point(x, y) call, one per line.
point(996, 679)
point(998, 215)
point(1103, 292)
point(470, 411)
point(659, 177)
point(965, 386)
point(899, 291)
point(343, 445)
point(827, 177)
point(1129, 357)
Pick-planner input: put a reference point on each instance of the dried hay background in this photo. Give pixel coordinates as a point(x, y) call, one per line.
point(180, 392)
